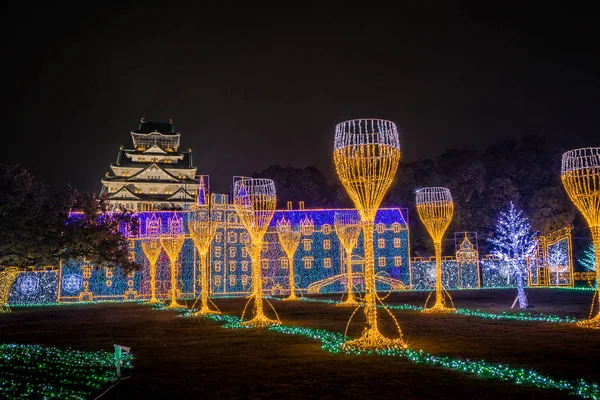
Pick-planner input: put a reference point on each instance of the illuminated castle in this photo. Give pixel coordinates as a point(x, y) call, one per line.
point(154, 174)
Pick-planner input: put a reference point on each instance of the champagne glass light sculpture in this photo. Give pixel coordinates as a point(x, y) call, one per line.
point(172, 242)
point(7, 278)
point(254, 201)
point(152, 247)
point(347, 227)
point(435, 208)
point(580, 175)
point(289, 239)
point(366, 156)
point(202, 229)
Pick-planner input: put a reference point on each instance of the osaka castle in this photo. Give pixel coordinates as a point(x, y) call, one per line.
point(154, 174)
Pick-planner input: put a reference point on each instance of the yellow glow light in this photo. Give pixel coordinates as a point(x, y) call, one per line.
point(202, 230)
point(172, 242)
point(435, 208)
point(366, 156)
point(254, 201)
point(151, 246)
point(580, 175)
point(289, 239)
point(347, 227)
point(7, 278)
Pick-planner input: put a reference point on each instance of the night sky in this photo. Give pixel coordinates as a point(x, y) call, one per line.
point(249, 88)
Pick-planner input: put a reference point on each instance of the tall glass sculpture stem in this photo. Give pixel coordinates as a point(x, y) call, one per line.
point(369, 273)
point(580, 175)
point(257, 292)
point(350, 300)
point(439, 297)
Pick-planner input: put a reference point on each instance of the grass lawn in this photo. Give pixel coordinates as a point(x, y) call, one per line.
point(195, 358)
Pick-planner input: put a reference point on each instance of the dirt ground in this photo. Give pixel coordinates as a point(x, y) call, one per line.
point(179, 358)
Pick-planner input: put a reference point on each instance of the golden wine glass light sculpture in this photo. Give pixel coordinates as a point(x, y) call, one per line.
point(366, 156)
point(7, 278)
point(152, 247)
point(254, 201)
point(289, 239)
point(202, 228)
point(580, 175)
point(172, 242)
point(347, 228)
point(435, 208)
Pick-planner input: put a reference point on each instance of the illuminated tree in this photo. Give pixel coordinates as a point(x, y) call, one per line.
point(589, 259)
point(254, 201)
point(38, 228)
point(558, 261)
point(347, 227)
point(366, 156)
point(581, 179)
point(202, 228)
point(152, 247)
point(172, 242)
point(7, 278)
point(289, 239)
point(435, 208)
point(514, 243)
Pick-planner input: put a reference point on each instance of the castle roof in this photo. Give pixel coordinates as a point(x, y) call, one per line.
point(124, 161)
point(166, 128)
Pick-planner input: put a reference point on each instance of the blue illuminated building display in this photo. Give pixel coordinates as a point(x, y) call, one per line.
point(319, 262)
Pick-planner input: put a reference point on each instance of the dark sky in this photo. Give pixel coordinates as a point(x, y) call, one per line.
point(248, 88)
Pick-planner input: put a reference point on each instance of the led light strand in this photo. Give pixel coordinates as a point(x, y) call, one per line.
point(521, 316)
point(47, 372)
point(334, 343)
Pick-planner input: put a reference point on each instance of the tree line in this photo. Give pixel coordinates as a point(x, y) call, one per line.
point(525, 171)
point(39, 228)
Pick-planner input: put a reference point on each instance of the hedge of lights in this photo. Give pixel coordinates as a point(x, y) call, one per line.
point(33, 371)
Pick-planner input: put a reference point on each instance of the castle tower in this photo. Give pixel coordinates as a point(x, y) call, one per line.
point(153, 175)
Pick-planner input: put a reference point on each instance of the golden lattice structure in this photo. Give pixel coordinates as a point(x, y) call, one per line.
point(152, 247)
point(172, 242)
point(7, 278)
point(202, 228)
point(347, 227)
point(580, 175)
point(254, 201)
point(289, 239)
point(366, 156)
point(435, 208)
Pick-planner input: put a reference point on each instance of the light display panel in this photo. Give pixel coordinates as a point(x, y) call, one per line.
point(455, 274)
point(35, 287)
